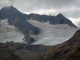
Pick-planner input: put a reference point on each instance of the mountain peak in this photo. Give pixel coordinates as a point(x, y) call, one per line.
point(8, 7)
point(5, 8)
point(60, 15)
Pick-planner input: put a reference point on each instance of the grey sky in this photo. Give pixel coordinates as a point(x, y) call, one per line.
point(69, 8)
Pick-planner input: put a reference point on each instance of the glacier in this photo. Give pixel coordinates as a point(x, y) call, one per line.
point(52, 34)
point(49, 35)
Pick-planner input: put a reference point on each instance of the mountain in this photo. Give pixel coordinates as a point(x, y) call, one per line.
point(69, 50)
point(17, 19)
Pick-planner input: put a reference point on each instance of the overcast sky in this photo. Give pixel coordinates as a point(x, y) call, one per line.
point(69, 8)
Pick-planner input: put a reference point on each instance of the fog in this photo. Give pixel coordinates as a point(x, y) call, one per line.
point(52, 34)
point(9, 33)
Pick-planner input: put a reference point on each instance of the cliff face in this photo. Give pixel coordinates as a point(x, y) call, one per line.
point(69, 50)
